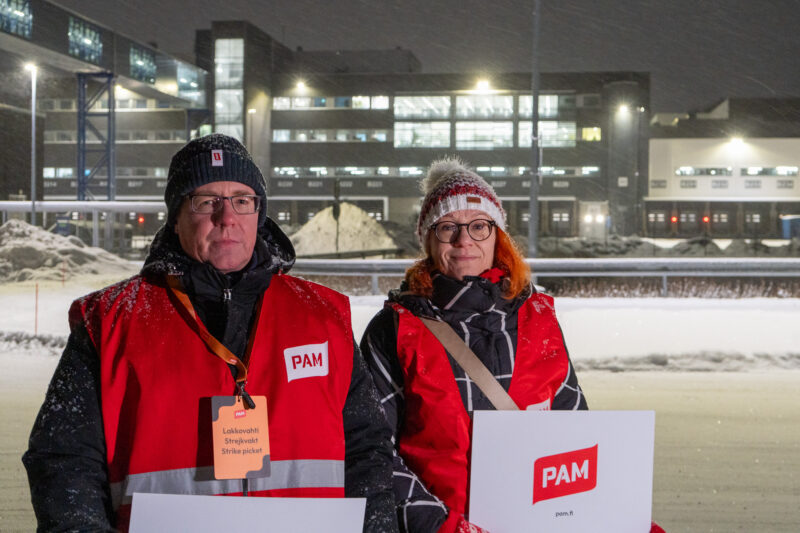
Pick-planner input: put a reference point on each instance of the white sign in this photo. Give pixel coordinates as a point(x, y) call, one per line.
point(167, 513)
point(306, 361)
point(562, 471)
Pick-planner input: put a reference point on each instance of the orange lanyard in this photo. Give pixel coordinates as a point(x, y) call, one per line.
point(216, 347)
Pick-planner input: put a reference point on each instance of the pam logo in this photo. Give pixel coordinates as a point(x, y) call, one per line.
point(564, 474)
point(306, 361)
point(239, 413)
point(216, 158)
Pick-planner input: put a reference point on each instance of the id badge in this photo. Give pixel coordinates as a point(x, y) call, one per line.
point(241, 438)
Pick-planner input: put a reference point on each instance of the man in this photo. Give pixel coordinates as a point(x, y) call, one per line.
point(212, 314)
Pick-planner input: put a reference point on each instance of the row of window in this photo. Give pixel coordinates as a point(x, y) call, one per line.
point(331, 135)
point(69, 172)
point(487, 135)
point(67, 104)
point(440, 106)
point(692, 218)
point(723, 184)
point(412, 171)
point(122, 136)
point(745, 171)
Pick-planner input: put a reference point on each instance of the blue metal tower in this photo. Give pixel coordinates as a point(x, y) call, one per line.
point(106, 158)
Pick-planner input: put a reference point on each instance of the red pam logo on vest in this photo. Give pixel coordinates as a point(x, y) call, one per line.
point(564, 474)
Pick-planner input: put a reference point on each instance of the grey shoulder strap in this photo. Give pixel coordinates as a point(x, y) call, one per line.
point(476, 370)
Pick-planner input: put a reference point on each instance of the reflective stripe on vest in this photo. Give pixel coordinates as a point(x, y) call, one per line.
point(303, 473)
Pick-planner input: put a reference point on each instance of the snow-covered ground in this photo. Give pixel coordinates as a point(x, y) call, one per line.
point(618, 333)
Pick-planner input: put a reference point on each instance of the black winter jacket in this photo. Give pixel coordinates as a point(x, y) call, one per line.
point(474, 307)
point(66, 458)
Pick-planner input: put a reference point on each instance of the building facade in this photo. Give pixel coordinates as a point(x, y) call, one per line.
point(729, 172)
point(355, 126)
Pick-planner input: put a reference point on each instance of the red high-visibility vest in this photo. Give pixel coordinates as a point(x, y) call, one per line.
point(435, 436)
point(157, 377)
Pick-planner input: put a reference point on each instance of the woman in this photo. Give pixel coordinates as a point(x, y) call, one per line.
point(474, 279)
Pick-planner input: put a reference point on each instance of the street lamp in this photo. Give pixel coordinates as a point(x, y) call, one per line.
point(33, 69)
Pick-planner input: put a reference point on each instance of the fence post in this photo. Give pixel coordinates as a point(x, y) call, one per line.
point(374, 280)
point(664, 286)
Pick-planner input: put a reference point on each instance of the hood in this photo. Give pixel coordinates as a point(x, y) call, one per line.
point(273, 252)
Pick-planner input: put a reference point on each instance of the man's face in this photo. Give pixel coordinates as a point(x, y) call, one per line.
point(224, 239)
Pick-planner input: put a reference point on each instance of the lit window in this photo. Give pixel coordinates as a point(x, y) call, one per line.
point(752, 184)
point(552, 134)
point(284, 216)
point(591, 134)
point(658, 184)
point(281, 102)
point(229, 85)
point(142, 64)
point(688, 184)
point(484, 135)
point(422, 134)
point(380, 102)
point(548, 106)
point(409, 171)
point(719, 184)
point(361, 102)
point(422, 107)
point(484, 106)
point(85, 41)
point(16, 17)
point(785, 184)
point(703, 171)
point(770, 171)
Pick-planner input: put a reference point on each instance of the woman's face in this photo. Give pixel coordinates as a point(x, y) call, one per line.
point(464, 256)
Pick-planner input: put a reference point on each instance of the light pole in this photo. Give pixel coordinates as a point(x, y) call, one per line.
point(32, 68)
point(533, 198)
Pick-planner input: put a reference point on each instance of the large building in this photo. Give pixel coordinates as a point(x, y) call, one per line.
point(731, 171)
point(364, 126)
point(83, 135)
point(358, 126)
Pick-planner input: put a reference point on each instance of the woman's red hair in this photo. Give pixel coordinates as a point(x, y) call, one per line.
point(507, 258)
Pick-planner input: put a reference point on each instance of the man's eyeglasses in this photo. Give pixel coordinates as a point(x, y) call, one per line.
point(479, 230)
point(243, 204)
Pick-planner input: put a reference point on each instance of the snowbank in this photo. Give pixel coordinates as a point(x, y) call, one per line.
point(31, 253)
point(357, 231)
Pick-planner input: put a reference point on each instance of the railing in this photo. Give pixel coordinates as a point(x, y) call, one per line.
point(561, 268)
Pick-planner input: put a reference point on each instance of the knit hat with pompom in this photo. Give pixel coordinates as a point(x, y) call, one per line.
point(452, 186)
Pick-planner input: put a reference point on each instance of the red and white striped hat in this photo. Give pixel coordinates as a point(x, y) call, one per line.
point(452, 186)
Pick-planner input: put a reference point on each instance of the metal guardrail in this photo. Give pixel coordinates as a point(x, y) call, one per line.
point(662, 268)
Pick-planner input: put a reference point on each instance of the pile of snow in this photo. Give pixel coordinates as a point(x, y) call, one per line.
point(30, 252)
point(357, 231)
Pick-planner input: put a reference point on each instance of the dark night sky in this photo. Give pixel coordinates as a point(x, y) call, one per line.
point(698, 51)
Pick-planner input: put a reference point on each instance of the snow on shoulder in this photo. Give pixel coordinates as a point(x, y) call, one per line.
point(31, 253)
point(357, 231)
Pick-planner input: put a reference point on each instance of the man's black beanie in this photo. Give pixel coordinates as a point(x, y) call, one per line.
point(215, 157)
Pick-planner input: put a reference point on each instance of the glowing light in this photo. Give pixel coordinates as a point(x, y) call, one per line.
point(301, 85)
point(31, 67)
point(600, 219)
point(251, 111)
point(587, 218)
point(483, 85)
point(737, 141)
point(141, 219)
point(674, 219)
point(623, 109)
point(706, 219)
